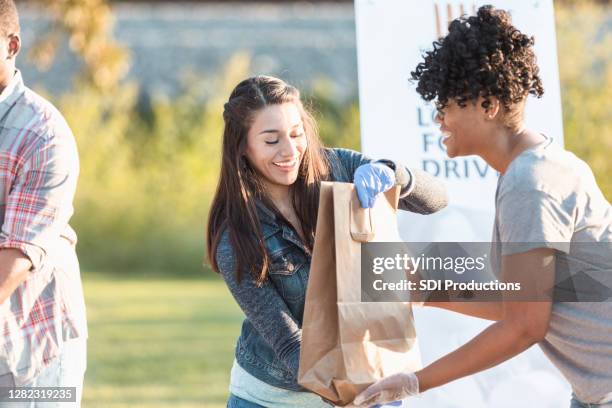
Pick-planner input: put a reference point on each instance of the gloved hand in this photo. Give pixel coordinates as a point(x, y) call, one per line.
point(371, 179)
point(395, 387)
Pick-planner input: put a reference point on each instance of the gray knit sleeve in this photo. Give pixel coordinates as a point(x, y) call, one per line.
point(424, 194)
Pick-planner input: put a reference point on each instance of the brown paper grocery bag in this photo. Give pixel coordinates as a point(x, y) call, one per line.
point(346, 344)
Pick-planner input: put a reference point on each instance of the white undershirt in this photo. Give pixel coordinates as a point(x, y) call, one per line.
point(244, 385)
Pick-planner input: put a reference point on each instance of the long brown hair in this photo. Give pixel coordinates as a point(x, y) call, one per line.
point(233, 207)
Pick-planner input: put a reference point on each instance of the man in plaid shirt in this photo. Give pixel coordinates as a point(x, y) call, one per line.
point(42, 311)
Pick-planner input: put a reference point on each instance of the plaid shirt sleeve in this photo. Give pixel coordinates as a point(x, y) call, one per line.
point(39, 203)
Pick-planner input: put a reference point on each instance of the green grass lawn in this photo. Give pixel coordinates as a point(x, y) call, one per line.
point(158, 343)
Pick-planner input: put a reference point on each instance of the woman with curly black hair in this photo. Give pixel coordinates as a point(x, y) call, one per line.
point(480, 76)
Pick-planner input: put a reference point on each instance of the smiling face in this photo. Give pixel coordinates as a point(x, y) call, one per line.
point(463, 128)
point(276, 143)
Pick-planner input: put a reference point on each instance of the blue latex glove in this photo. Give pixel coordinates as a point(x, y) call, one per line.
point(371, 179)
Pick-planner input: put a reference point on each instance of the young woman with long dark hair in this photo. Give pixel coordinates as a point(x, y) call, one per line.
point(262, 222)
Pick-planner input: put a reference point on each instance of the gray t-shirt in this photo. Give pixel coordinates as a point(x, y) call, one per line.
point(549, 198)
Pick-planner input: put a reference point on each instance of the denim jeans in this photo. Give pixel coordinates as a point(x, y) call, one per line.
point(235, 402)
point(66, 370)
point(577, 404)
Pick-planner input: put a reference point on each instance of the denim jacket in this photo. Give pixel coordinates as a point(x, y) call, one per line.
point(269, 345)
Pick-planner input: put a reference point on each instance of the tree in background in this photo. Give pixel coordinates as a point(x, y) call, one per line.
point(584, 41)
point(88, 25)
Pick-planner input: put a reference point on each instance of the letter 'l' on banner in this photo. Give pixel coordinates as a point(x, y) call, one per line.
point(397, 124)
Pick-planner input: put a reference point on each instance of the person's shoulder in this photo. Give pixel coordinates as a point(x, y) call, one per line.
point(342, 153)
point(343, 161)
point(225, 255)
point(333, 154)
point(41, 117)
point(550, 169)
point(224, 245)
point(336, 160)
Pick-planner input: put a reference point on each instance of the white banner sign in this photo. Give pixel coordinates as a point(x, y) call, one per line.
point(397, 124)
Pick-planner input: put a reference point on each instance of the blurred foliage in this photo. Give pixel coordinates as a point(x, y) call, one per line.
point(149, 169)
point(584, 42)
point(147, 176)
point(338, 123)
point(149, 165)
point(581, 2)
point(88, 25)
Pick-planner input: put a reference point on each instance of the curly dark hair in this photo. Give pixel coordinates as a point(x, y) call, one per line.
point(481, 56)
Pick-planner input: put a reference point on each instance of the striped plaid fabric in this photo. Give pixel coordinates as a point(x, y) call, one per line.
point(38, 173)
